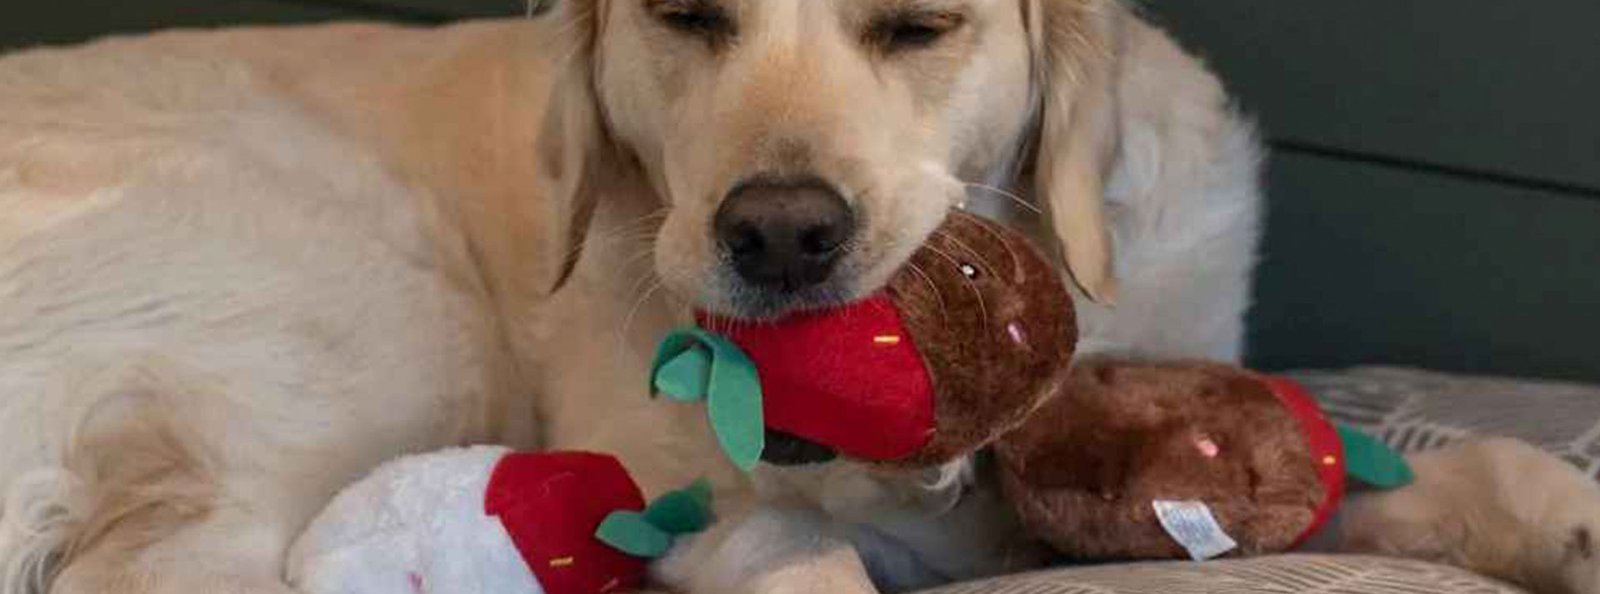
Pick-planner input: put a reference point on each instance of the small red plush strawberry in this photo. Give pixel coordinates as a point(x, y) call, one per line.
point(850, 378)
point(551, 505)
point(487, 519)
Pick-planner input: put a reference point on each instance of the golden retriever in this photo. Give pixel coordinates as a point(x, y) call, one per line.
point(240, 268)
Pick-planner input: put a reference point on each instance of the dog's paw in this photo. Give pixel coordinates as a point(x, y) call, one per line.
point(766, 551)
point(837, 572)
point(1580, 564)
point(1553, 512)
point(1499, 507)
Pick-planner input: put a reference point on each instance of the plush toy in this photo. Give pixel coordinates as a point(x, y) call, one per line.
point(1183, 460)
point(488, 519)
point(967, 340)
point(969, 346)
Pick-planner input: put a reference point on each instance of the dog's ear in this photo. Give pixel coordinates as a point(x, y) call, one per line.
point(1074, 45)
point(572, 149)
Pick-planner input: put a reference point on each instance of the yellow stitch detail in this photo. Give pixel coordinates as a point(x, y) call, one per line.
point(563, 562)
point(886, 340)
point(1329, 461)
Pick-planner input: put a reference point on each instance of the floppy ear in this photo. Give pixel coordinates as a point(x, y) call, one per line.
point(1074, 52)
point(572, 149)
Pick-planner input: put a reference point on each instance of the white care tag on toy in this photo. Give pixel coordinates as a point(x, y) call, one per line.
point(1192, 525)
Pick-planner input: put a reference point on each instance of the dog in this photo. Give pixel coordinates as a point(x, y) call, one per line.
point(240, 268)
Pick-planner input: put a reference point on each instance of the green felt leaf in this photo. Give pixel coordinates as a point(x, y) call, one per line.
point(734, 403)
point(631, 533)
point(684, 511)
point(670, 348)
point(1369, 461)
point(732, 389)
point(700, 490)
point(686, 376)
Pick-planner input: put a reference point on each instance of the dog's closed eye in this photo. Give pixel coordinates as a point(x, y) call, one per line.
point(701, 18)
point(904, 30)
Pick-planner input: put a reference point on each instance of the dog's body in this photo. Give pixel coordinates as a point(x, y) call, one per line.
point(239, 269)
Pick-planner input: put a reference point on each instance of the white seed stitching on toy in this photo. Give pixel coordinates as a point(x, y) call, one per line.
point(1017, 334)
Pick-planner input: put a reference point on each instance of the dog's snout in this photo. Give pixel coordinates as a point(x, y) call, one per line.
point(784, 234)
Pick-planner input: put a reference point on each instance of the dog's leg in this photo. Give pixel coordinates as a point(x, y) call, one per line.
point(767, 551)
point(154, 508)
point(1499, 507)
point(173, 531)
point(220, 555)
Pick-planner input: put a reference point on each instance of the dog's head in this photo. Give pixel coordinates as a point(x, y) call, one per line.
point(803, 149)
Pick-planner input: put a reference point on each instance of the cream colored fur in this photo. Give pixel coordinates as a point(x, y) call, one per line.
point(1500, 507)
point(240, 268)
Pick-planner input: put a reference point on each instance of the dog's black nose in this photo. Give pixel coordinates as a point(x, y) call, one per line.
point(784, 234)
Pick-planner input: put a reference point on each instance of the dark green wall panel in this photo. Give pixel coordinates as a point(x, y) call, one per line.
point(1509, 87)
point(458, 8)
point(26, 23)
point(1367, 264)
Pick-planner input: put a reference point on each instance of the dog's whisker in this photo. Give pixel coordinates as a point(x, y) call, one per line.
point(942, 254)
point(1020, 201)
point(944, 310)
point(580, 24)
point(638, 231)
point(643, 278)
point(598, 242)
point(1016, 259)
point(646, 222)
point(976, 255)
point(982, 307)
point(633, 313)
point(636, 258)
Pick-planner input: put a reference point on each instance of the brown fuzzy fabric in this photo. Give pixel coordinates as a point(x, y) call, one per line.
point(1084, 470)
point(995, 326)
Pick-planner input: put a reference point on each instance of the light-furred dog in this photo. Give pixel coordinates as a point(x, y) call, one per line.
point(238, 269)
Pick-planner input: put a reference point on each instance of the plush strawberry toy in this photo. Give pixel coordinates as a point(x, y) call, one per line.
point(487, 519)
point(1147, 460)
point(972, 335)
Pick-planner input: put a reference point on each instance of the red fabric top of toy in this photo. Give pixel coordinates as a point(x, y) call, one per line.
point(1327, 451)
point(848, 378)
point(551, 504)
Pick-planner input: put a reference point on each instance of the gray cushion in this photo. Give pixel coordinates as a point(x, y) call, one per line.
point(1414, 410)
point(1288, 574)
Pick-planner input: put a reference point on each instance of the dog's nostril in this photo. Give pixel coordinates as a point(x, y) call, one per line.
point(743, 240)
point(786, 234)
point(821, 240)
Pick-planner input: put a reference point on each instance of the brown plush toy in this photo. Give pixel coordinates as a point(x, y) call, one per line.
point(965, 342)
point(1182, 460)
